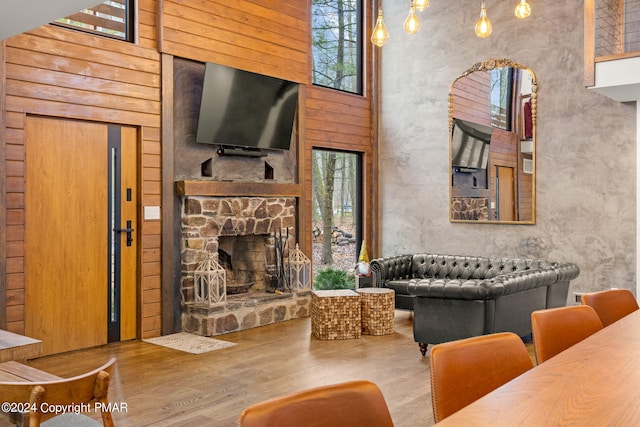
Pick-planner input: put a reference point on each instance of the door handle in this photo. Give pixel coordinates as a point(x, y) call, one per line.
point(127, 230)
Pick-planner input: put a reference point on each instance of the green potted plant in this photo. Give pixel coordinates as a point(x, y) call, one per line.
point(331, 278)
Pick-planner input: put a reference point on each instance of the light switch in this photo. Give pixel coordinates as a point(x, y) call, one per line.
point(151, 212)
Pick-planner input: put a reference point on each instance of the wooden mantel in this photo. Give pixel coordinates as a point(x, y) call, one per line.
point(228, 188)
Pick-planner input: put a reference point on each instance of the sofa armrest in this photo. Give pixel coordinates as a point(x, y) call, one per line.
point(390, 268)
point(482, 289)
point(566, 271)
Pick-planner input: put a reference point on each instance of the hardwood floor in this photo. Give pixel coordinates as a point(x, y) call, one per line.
point(164, 387)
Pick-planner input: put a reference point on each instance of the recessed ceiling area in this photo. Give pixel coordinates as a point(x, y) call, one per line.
point(18, 16)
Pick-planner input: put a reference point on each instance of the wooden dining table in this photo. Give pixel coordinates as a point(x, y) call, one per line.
point(16, 348)
point(596, 382)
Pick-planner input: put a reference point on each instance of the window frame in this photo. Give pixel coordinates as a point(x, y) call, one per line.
point(129, 23)
point(357, 205)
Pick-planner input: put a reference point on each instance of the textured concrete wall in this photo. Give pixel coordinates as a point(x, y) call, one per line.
point(586, 187)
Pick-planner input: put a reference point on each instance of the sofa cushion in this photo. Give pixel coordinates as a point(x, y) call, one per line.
point(400, 286)
point(477, 289)
point(468, 267)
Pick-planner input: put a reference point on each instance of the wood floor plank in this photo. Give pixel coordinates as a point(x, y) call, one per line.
point(164, 387)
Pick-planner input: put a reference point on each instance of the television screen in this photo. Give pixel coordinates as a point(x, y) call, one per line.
point(470, 144)
point(243, 109)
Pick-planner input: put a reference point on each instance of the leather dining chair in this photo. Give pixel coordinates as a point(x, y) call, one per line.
point(353, 404)
point(556, 329)
point(462, 371)
point(611, 305)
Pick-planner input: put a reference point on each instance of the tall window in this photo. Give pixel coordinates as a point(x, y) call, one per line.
point(501, 92)
point(337, 223)
point(337, 44)
point(113, 18)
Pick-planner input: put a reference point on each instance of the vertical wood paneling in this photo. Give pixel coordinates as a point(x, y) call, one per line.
point(63, 73)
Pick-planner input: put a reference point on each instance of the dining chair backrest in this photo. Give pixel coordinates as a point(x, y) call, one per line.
point(556, 329)
point(611, 305)
point(353, 404)
point(85, 389)
point(465, 370)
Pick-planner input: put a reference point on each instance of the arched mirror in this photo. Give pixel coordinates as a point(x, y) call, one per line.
point(492, 139)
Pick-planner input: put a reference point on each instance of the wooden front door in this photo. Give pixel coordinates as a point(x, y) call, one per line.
point(80, 268)
point(505, 194)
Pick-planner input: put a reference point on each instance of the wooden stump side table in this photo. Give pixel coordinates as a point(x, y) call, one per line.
point(378, 310)
point(335, 314)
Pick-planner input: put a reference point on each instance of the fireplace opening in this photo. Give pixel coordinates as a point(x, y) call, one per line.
point(243, 258)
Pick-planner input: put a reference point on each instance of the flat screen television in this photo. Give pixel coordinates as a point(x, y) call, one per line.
point(248, 110)
point(470, 144)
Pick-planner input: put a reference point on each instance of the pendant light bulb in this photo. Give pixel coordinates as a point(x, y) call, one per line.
point(483, 26)
point(412, 24)
point(523, 9)
point(379, 35)
point(421, 5)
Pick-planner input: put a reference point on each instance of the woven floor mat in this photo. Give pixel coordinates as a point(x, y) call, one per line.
point(190, 343)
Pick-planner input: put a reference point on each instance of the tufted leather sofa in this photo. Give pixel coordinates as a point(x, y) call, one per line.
point(455, 296)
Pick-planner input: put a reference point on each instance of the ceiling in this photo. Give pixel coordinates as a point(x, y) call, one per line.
point(18, 16)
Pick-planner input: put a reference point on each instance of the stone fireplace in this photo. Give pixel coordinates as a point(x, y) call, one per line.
point(240, 233)
point(470, 208)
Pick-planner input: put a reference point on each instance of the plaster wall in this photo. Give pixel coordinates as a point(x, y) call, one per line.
point(586, 155)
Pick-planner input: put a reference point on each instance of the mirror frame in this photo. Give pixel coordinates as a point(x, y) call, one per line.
point(489, 65)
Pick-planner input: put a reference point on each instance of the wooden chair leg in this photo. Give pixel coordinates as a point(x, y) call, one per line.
point(100, 393)
point(107, 421)
point(35, 400)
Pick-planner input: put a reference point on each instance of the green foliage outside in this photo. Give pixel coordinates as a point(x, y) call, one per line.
point(330, 278)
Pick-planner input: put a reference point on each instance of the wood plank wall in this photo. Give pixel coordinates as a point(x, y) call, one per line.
point(472, 98)
point(342, 121)
point(504, 152)
point(64, 73)
point(525, 190)
point(272, 37)
point(268, 37)
point(3, 127)
point(147, 30)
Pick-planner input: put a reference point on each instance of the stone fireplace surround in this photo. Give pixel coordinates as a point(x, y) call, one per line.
point(470, 208)
point(205, 220)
